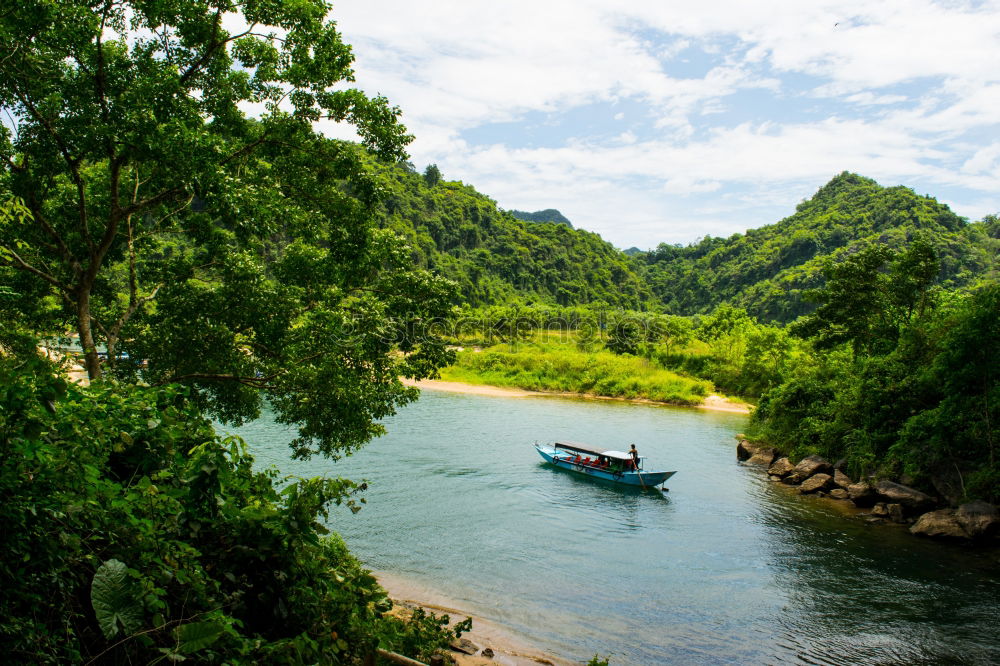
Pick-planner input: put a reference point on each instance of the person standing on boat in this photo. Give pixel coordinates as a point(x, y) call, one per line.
point(635, 456)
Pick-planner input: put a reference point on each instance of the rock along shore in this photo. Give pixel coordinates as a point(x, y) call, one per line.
point(883, 501)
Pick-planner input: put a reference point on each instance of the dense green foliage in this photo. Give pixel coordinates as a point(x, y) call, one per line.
point(131, 532)
point(651, 356)
point(556, 367)
point(238, 258)
point(235, 255)
point(903, 379)
point(494, 258)
point(767, 270)
point(547, 215)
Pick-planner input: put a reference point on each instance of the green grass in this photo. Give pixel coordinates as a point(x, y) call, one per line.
point(561, 367)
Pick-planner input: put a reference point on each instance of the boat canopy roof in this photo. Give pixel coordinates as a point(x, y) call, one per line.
point(592, 450)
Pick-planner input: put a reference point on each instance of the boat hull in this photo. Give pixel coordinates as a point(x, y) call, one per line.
point(563, 460)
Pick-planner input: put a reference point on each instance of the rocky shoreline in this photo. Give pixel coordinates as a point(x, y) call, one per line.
point(881, 501)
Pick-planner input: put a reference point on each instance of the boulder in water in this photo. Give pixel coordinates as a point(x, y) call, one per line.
point(940, 524)
point(809, 466)
point(745, 450)
point(861, 494)
point(816, 483)
point(980, 520)
point(781, 467)
point(839, 494)
point(841, 479)
point(763, 457)
point(912, 499)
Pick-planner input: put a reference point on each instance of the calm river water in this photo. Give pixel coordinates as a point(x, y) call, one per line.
point(725, 568)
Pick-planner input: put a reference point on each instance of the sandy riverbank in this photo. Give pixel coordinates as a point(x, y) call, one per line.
point(713, 402)
point(508, 648)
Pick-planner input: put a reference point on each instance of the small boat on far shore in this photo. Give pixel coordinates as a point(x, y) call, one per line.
point(607, 464)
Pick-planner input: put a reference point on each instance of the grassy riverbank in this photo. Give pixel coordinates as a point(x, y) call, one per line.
point(562, 368)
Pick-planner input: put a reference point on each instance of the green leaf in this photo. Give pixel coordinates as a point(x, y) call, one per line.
point(197, 635)
point(114, 598)
point(172, 655)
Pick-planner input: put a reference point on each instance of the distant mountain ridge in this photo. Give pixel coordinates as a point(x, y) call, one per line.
point(767, 269)
point(496, 257)
point(547, 215)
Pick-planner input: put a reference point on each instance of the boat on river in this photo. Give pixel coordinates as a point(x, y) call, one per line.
point(607, 464)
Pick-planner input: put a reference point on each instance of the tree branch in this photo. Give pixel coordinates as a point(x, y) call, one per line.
point(10, 55)
point(152, 201)
point(210, 51)
point(67, 254)
point(100, 326)
point(258, 382)
point(134, 301)
point(72, 162)
point(101, 81)
point(246, 149)
point(18, 262)
point(117, 214)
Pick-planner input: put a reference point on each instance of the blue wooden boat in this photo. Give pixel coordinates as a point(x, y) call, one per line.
point(607, 464)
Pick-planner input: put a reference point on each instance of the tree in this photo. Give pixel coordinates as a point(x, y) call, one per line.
point(853, 304)
point(673, 332)
point(432, 175)
point(913, 272)
point(625, 335)
point(235, 254)
point(868, 305)
point(960, 427)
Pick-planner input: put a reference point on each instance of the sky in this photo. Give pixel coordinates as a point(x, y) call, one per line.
point(651, 122)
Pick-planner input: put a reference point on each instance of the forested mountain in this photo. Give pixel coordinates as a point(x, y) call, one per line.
point(496, 258)
point(547, 215)
point(766, 270)
point(462, 235)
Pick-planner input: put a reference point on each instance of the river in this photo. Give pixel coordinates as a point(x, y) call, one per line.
point(727, 567)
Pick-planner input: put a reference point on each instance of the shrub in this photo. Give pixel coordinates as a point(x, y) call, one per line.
point(131, 532)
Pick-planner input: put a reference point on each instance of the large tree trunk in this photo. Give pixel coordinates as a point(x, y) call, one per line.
point(92, 362)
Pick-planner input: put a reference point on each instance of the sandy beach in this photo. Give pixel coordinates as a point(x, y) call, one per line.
point(712, 402)
point(508, 648)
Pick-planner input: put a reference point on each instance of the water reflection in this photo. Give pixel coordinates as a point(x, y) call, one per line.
point(602, 505)
point(872, 594)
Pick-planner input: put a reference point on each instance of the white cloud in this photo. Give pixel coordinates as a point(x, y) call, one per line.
point(905, 86)
point(868, 99)
point(627, 138)
point(985, 160)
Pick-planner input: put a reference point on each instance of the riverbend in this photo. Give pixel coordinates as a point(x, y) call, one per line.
point(726, 567)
